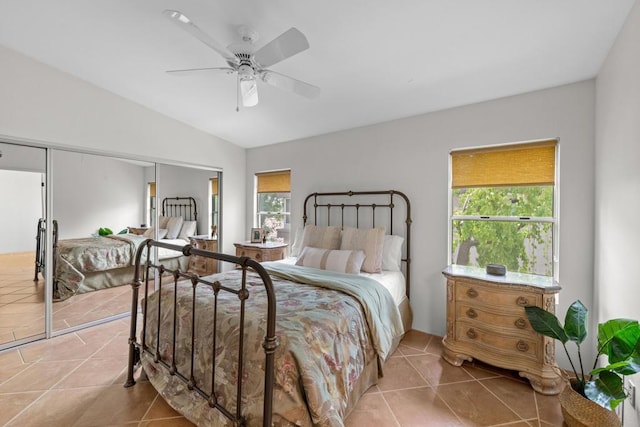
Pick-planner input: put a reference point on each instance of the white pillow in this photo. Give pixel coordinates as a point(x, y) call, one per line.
point(296, 246)
point(369, 240)
point(334, 260)
point(173, 226)
point(392, 252)
point(150, 233)
point(188, 229)
point(321, 237)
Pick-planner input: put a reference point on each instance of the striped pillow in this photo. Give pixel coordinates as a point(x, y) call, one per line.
point(369, 240)
point(334, 260)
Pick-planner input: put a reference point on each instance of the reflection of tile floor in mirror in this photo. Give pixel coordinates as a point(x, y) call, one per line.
point(76, 380)
point(22, 301)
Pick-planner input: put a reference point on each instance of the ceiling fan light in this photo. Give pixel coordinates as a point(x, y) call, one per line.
point(174, 14)
point(249, 92)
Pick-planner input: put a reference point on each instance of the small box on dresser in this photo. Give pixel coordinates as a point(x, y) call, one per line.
point(200, 265)
point(486, 321)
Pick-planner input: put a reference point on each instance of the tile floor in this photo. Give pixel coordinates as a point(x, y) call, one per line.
point(76, 380)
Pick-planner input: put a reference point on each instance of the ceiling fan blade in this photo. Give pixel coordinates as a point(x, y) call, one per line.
point(285, 45)
point(289, 83)
point(187, 25)
point(197, 70)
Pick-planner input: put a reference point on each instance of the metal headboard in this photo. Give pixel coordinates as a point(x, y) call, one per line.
point(345, 209)
point(180, 206)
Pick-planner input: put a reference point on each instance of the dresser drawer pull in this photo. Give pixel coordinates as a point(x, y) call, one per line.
point(522, 346)
point(520, 323)
point(472, 334)
point(472, 313)
point(472, 293)
point(522, 301)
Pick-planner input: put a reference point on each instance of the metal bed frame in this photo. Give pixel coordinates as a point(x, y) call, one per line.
point(349, 201)
point(180, 206)
point(138, 346)
point(270, 343)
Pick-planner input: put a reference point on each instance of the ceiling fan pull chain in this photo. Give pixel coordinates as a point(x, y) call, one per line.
point(238, 94)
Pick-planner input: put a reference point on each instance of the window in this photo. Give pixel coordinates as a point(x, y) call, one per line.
point(215, 206)
point(274, 204)
point(151, 203)
point(503, 207)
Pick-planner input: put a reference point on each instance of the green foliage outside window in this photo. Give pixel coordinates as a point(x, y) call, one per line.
point(523, 246)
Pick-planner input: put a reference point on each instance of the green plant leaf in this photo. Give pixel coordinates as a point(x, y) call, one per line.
point(545, 323)
point(618, 366)
point(606, 390)
point(575, 322)
point(618, 339)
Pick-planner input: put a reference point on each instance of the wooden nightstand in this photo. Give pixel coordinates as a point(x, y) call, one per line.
point(486, 321)
point(200, 265)
point(270, 251)
point(137, 230)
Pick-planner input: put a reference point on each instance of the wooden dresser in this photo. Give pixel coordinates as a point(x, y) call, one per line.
point(200, 265)
point(486, 321)
point(270, 251)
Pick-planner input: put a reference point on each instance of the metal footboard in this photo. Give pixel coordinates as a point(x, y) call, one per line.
point(137, 347)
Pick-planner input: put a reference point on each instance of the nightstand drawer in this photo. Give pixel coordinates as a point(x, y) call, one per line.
point(504, 298)
point(262, 252)
point(494, 317)
point(497, 342)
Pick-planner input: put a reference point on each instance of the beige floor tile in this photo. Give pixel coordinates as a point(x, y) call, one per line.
point(38, 376)
point(63, 347)
point(549, 409)
point(371, 410)
point(416, 339)
point(438, 371)
point(160, 409)
point(399, 374)
point(420, 407)
point(94, 373)
point(58, 408)
point(119, 405)
point(12, 404)
point(167, 422)
point(471, 402)
point(515, 394)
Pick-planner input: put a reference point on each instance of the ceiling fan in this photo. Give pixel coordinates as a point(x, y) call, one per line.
point(250, 64)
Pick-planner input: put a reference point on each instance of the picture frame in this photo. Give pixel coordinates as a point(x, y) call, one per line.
point(256, 235)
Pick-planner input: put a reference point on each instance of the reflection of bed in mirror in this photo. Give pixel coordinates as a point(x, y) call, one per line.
point(98, 262)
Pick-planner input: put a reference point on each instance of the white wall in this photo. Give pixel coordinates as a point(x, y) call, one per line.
point(43, 105)
point(92, 191)
point(617, 202)
point(411, 155)
point(22, 207)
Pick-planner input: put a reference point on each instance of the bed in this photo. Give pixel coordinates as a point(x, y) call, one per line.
point(278, 343)
point(99, 262)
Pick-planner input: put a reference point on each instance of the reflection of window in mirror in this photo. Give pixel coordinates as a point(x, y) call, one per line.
point(151, 204)
point(215, 206)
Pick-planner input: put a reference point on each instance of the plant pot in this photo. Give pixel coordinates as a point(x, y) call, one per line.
point(578, 411)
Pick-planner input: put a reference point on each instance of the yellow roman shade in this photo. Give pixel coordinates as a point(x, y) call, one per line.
point(274, 182)
point(214, 186)
point(152, 189)
point(513, 165)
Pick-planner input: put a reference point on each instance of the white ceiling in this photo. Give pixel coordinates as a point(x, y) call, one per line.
point(375, 60)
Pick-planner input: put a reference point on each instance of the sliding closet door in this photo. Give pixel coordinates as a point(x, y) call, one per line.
point(97, 202)
point(22, 284)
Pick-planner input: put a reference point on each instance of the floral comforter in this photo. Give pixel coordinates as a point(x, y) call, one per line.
point(328, 331)
point(78, 257)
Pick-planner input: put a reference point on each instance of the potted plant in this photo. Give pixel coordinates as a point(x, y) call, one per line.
point(618, 339)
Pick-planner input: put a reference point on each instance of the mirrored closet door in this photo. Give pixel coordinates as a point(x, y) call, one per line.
point(102, 207)
point(22, 283)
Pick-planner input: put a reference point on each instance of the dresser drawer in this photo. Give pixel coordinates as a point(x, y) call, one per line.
point(505, 298)
point(494, 317)
point(505, 344)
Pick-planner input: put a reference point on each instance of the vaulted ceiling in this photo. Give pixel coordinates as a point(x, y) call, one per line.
point(374, 60)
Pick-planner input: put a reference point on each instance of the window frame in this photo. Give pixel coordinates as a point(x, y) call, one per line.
point(554, 220)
